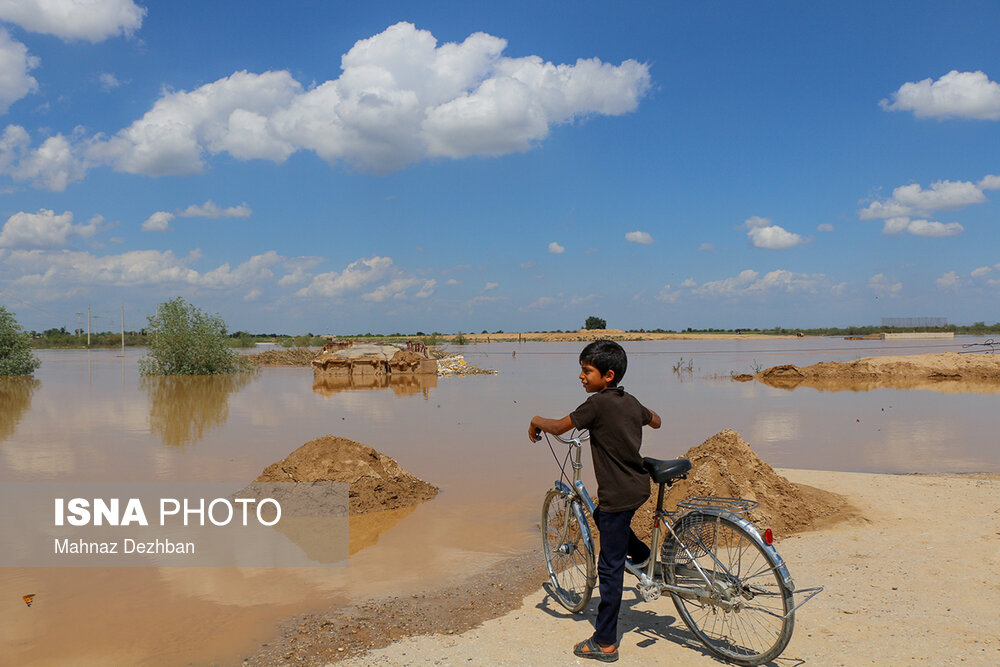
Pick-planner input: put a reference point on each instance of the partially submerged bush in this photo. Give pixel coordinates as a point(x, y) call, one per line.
point(16, 357)
point(184, 340)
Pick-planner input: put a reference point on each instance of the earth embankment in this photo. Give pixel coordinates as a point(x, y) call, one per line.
point(950, 372)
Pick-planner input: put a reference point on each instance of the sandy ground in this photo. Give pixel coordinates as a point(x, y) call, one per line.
point(914, 581)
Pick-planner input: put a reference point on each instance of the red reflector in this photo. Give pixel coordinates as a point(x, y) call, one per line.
point(768, 537)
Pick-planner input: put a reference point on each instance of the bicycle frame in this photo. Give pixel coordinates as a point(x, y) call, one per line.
point(644, 571)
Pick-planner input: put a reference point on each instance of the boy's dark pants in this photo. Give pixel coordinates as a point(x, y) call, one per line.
point(617, 542)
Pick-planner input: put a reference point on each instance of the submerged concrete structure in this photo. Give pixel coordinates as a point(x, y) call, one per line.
point(372, 360)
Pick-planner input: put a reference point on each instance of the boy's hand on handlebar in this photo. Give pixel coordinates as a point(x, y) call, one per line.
point(534, 433)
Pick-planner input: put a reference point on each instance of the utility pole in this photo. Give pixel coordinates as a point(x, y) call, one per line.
point(88, 327)
point(123, 329)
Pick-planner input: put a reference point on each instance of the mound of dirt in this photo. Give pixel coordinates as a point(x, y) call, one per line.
point(377, 482)
point(725, 465)
point(943, 371)
point(296, 356)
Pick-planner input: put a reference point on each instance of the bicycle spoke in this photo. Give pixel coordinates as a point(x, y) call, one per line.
point(741, 621)
point(569, 559)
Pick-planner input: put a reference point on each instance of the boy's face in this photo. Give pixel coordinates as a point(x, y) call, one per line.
point(592, 379)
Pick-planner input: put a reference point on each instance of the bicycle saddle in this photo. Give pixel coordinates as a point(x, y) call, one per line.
point(663, 472)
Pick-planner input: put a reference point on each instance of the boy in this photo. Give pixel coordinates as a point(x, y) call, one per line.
point(615, 420)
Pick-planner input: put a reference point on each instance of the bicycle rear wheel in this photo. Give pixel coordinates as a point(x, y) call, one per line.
point(568, 556)
point(744, 613)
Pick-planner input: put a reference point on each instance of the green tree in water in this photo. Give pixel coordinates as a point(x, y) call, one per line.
point(184, 340)
point(16, 357)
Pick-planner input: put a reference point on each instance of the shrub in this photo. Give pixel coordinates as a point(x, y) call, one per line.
point(16, 357)
point(594, 322)
point(460, 339)
point(183, 340)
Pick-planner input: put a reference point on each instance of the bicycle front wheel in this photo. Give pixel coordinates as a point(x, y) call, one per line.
point(739, 605)
point(568, 556)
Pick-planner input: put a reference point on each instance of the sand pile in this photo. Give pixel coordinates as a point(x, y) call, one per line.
point(944, 371)
point(724, 465)
point(296, 356)
point(377, 482)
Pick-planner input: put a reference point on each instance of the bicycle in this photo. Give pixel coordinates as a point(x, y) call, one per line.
point(729, 584)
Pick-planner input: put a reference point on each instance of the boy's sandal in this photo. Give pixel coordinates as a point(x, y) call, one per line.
point(591, 649)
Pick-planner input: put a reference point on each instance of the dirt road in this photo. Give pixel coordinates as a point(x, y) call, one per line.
point(915, 580)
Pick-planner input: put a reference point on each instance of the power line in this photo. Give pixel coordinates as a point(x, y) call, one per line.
point(31, 305)
point(729, 351)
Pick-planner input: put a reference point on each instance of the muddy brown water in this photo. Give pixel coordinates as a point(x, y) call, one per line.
point(88, 416)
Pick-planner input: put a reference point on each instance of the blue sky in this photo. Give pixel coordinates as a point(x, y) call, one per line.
point(353, 167)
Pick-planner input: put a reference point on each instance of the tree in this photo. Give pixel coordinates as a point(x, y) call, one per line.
point(16, 357)
point(594, 322)
point(184, 340)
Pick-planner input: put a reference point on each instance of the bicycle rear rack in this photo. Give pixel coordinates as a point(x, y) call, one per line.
point(735, 505)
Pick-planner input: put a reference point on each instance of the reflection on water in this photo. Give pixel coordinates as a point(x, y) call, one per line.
point(402, 384)
point(943, 386)
point(365, 528)
point(321, 538)
point(182, 408)
point(15, 399)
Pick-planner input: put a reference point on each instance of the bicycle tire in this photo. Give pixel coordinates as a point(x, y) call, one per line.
point(751, 618)
point(568, 556)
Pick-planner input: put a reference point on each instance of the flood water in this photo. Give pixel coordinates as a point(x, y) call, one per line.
point(88, 416)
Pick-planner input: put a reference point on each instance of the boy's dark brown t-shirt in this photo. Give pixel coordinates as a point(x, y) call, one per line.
point(615, 420)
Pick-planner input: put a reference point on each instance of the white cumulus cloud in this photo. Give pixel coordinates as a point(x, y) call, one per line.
point(750, 282)
point(298, 270)
point(427, 289)
point(954, 95)
point(212, 210)
point(981, 272)
point(158, 222)
point(401, 98)
point(989, 182)
point(763, 234)
point(556, 249)
point(949, 281)
point(930, 228)
point(15, 63)
point(355, 276)
point(92, 20)
point(642, 238)
point(394, 289)
point(669, 295)
point(108, 81)
point(912, 200)
point(44, 229)
point(53, 165)
point(885, 286)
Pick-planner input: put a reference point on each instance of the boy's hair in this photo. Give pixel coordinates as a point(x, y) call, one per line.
point(606, 355)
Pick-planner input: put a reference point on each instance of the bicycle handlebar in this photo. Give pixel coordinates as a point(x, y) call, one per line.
point(580, 439)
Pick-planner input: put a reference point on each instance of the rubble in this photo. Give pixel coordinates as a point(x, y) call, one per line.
point(371, 359)
point(457, 365)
